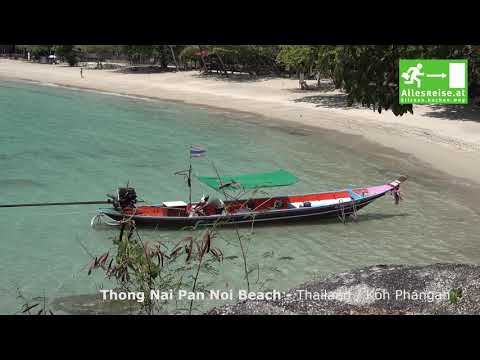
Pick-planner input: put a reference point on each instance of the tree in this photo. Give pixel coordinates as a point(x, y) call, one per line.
point(187, 53)
point(160, 54)
point(174, 57)
point(68, 52)
point(370, 75)
point(326, 61)
point(138, 53)
point(37, 50)
point(367, 73)
point(102, 52)
point(253, 59)
point(299, 58)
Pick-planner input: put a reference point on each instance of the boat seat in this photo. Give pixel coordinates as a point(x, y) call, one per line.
point(174, 203)
point(326, 202)
point(354, 195)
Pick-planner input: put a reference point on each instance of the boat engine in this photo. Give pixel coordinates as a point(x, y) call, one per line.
point(126, 197)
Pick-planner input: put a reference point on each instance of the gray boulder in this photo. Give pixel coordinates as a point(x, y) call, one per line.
point(377, 290)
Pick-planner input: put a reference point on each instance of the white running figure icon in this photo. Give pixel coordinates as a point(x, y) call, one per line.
point(412, 73)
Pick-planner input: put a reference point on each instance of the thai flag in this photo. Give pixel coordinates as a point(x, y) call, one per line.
point(196, 151)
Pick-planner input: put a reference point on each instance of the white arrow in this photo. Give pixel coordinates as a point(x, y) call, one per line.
point(437, 75)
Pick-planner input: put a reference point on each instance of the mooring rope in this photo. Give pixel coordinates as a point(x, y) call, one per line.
point(342, 212)
point(103, 219)
point(107, 220)
point(354, 213)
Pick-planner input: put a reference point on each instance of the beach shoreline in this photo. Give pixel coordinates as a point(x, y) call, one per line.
point(448, 141)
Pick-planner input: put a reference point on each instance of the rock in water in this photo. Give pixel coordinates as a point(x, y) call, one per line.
point(377, 290)
point(93, 305)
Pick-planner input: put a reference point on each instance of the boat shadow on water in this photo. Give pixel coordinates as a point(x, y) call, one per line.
point(327, 221)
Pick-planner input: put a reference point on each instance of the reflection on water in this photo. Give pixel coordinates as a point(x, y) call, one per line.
point(66, 145)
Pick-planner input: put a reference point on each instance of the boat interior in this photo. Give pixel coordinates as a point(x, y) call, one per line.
point(182, 209)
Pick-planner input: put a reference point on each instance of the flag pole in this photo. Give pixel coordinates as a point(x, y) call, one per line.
point(190, 178)
point(194, 152)
point(190, 183)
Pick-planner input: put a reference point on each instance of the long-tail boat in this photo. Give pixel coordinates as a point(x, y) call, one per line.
point(245, 209)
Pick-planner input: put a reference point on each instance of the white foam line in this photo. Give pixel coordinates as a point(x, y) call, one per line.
point(70, 87)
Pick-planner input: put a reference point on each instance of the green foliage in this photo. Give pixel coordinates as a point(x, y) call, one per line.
point(326, 60)
point(369, 76)
point(139, 53)
point(243, 53)
point(139, 50)
point(253, 59)
point(102, 52)
point(158, 54)
point(37, 50)
point(297, 57)
point(367, 73)
point(68, 52)
point(188, 52)
point(143, 266)
point(455, 295)
point(38, 305)
point(472, 53)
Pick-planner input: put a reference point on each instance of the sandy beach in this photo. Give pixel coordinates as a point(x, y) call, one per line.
point(445, 137)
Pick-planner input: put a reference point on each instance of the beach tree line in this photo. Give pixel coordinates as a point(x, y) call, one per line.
point(367, 73)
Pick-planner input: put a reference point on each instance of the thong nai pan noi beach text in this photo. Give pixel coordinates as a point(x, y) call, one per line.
point(369, 295)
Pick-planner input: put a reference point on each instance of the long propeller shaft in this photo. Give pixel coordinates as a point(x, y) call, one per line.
point(58, 204)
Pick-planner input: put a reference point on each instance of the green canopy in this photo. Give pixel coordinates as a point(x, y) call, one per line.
point(250, 181)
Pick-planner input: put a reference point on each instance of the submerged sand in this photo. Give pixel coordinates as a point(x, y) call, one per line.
point(445, 137)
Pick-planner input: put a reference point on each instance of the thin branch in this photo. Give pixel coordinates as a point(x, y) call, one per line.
point(243, 257)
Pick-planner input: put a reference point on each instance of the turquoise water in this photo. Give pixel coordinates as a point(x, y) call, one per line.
point(66, 145)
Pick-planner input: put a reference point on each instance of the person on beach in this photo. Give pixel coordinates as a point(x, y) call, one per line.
point(81, 72)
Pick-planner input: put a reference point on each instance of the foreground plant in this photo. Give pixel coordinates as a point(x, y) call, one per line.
point(143, 266)
point(35, 306)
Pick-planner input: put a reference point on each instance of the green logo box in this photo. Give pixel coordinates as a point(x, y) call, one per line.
point(433, 81)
